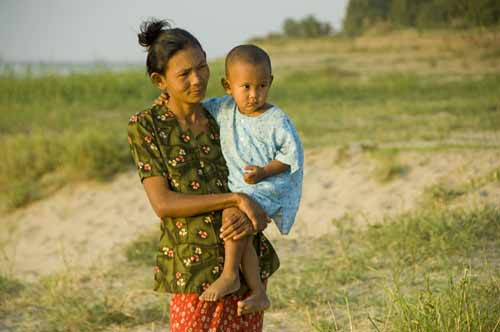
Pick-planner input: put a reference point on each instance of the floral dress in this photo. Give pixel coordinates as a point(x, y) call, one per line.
point(190, 253)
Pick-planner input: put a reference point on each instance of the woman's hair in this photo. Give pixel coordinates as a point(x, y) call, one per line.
point(162, 42)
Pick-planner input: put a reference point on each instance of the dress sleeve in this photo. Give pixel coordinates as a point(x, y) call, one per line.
point(289, 147)
point(144, 148)
point(215, 105)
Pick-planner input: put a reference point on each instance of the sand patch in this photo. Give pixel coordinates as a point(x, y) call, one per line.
point(88, 223)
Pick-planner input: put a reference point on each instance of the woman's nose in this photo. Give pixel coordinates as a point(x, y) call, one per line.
point(196, 78)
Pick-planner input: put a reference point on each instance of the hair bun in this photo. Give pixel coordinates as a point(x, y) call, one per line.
point(150, 30)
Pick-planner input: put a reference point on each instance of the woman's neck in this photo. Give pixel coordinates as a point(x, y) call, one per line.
point(187, 113)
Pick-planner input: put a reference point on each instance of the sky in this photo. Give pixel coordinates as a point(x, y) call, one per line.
point(72, 31)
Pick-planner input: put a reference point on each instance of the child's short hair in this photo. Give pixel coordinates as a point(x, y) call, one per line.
point(162, 42)
point(247, 53)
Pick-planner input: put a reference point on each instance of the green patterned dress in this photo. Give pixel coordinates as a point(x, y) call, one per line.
point(190, 254)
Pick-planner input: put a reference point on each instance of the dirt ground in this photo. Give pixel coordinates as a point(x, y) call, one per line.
point(86, 223)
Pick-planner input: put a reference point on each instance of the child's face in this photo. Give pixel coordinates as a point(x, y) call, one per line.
point(249, 85)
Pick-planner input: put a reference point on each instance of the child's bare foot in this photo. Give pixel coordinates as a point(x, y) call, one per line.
point(254, 303)
point(221, 287)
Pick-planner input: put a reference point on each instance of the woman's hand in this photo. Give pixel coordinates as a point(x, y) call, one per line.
point(254, 212)
point(235, 224)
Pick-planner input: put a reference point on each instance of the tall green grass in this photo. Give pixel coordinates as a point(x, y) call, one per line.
point(55, 130)
point(58, 129)
point(330, 109)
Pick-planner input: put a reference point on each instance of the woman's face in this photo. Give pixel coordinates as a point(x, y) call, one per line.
point(186, 76)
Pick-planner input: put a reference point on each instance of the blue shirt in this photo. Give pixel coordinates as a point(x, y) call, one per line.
point(256, 141)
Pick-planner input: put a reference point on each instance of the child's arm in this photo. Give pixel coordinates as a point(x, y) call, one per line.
point(254, 174)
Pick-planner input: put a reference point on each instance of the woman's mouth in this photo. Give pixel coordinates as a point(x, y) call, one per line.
point(197, 92)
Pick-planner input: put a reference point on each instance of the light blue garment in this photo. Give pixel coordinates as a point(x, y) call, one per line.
point(256, 141)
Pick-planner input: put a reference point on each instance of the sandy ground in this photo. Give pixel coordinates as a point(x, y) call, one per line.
point(86, 223)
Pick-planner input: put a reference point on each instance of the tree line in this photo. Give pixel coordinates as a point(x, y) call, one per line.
point(421, 14)
point(307, 27)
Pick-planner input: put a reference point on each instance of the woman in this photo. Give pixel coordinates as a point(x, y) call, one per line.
point(178, 156)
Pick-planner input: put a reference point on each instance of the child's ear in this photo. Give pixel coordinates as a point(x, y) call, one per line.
point(271, 81)
point(225, 85)
point(159, 81)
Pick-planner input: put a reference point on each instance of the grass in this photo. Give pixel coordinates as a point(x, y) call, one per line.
point(407, 271)
point(386, 108)
point(66, 128)
point(442, 194)
point(9, 287)
point(433, 270)
point(387, 165)
point(464, 305)
point(143, 249)
point(85, 301)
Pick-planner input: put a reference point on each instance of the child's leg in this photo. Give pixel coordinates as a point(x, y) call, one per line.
point(257, 301)
point(229, 281)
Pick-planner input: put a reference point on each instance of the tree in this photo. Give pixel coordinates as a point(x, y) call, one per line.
point(361, 14)
point(308, 27)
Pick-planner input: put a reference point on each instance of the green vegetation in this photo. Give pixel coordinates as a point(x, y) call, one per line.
point(307, 27)
point(143, 249)
point(433, 270)
point(384, 108)
point(388, 167)
point(442, 194)
point(9, 287)
point(81, 302)
point(59, 129)
point(362, 15)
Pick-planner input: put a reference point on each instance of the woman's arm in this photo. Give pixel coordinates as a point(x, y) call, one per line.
point(167, 203)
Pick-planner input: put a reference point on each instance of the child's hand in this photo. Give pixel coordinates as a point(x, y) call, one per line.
point(253, 174)
point(162, 99)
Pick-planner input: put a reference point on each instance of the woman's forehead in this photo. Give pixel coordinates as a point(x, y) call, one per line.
point(186, 58)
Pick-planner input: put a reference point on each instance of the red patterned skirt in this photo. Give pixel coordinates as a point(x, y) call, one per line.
point(189, 314)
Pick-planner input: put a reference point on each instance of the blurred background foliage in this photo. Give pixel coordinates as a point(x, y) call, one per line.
point(423, 14)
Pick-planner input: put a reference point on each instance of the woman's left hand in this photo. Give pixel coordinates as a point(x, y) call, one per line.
point(235, 224)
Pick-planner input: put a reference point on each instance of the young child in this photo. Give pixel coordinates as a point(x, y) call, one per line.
point(265, 159)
